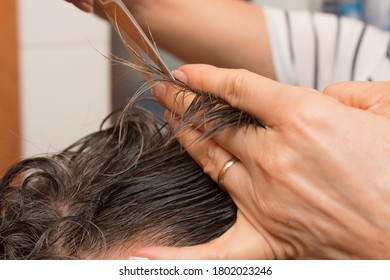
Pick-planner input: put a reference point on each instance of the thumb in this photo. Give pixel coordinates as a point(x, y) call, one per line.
point(369, 96)
point(241, 241)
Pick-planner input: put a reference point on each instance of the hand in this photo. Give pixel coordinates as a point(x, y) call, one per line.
point(84, 5)
point(369, 96)
point(178, 26)
point(314, 184)
point(90, 6)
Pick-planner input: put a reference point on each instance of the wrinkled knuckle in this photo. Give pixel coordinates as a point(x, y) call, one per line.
point(234, 86)
point(302, 114)
point(207, 160)
point(308, 114)
point(278, 164)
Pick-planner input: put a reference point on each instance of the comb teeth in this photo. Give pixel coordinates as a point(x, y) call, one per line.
point(217, 114)
point(133, 37)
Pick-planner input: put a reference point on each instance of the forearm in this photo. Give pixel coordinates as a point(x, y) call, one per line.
point(225, 33)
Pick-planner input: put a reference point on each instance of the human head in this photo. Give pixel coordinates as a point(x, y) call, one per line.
point(115, 190)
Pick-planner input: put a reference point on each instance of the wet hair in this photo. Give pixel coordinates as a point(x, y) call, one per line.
point(125, 186)
point(121, 185)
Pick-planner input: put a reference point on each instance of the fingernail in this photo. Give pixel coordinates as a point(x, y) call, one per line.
point(86, 7)
point(138, 259)
point(158, 90)
point(180, 76)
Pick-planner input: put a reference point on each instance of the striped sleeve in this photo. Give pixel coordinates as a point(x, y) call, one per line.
point(317, 49)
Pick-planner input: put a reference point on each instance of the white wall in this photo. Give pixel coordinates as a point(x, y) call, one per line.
point(65, 81)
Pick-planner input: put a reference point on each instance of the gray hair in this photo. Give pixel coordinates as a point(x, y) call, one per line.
point(108, 190)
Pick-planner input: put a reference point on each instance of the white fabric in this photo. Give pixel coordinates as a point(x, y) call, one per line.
point(317, 49)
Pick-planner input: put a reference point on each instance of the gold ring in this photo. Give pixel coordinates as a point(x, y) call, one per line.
point(223, 171)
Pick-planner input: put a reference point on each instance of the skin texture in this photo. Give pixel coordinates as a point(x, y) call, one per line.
point(313, 184)
point(216, 38)
point(84, 5)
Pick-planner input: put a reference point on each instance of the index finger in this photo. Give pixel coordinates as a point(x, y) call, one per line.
point(263, 98)
point(84, 5)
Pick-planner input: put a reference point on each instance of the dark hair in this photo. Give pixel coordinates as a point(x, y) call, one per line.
point(125, 186)
point(121, 186)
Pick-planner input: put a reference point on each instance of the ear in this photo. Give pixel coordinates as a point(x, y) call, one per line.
point(370, 96)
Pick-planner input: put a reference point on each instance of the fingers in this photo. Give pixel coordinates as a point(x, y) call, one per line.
point(212, 157)
point(242, 241)
point(262, 98)
point(212, 154)
point(353, 94)
point(84, 5)
point(371, 96)
point(167, 97)
point(231, 139)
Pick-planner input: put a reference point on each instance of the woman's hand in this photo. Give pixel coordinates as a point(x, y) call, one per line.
point(84, 5)
point(92, 6)
point(314, 184)
point(369, 96)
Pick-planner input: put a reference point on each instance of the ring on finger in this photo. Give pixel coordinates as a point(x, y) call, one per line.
point(223, 171)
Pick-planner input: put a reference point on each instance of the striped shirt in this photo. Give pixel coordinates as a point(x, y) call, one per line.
point(315, 49)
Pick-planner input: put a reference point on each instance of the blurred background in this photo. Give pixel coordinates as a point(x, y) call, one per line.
point(56, 84)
